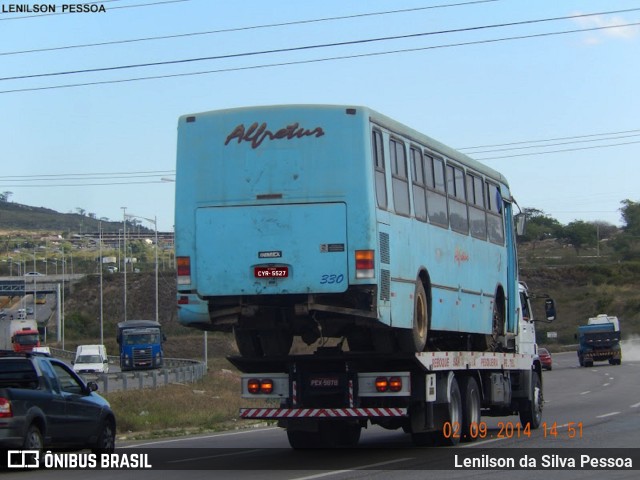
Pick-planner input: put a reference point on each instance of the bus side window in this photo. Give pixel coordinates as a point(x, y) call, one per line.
point(378, 162)
point(477, 214)
point(399, 182)
point(436, 193)
point(457, 199)
point(495, 225)
point(419, 190)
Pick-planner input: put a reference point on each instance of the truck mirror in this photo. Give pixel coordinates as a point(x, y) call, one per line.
point(550, 309)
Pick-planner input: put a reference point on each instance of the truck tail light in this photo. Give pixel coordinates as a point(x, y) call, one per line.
point(184, 270)
point(395, 384)
point(382, 384)
point(388, 384)
point(258, 386)
point(5, 408)
point(365, 265)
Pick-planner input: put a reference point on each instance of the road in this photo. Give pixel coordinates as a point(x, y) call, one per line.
point(591, 408)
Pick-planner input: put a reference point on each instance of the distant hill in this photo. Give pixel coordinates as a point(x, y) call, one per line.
point(18, 217)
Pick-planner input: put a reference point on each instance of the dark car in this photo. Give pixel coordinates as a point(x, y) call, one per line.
point(44, 404)
point(545, 358)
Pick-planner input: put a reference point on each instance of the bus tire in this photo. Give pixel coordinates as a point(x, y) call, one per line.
point(275, 343)
point(415, 339)
point(471, 403)
point(247, 342)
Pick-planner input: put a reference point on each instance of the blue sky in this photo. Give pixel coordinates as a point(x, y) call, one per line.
point(574, 90)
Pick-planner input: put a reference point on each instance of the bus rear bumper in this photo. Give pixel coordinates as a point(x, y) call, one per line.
point(192, 310)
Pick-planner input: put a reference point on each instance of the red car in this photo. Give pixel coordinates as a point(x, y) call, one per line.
point(545, 358)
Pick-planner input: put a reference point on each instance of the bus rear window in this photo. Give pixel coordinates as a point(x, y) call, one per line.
point(378, 161)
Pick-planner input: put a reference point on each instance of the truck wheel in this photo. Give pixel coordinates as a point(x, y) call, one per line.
point(531, 410)
point(471, 403)
point(106, 438)
point(339, 433)
point(248, 342)
point(451, 436)
point(299, 439)
point(415, 339)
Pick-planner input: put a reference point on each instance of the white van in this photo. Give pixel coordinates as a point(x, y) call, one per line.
point(91, 359)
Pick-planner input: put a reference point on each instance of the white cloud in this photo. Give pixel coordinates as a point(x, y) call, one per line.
point(609, 28)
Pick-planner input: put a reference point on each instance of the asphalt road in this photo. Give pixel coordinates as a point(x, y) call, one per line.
point(585, 409)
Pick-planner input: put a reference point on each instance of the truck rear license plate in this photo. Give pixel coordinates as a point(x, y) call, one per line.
point(271, 272)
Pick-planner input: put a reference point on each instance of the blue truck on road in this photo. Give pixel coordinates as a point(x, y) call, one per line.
point(140, 343)
point(599, 341)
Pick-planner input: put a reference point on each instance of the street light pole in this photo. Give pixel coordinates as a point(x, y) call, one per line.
point(124, 263)
point(155, 226)
point(100, 266)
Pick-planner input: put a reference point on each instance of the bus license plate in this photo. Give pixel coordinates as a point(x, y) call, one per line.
point(271, 272)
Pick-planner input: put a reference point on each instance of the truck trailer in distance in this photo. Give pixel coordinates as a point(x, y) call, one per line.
point(19, 335)
point(140, 343)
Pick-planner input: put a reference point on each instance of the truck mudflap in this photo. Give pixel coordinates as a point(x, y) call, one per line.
point(275, 413)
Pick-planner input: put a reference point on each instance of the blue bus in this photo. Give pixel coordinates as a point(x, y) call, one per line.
point(337, 221)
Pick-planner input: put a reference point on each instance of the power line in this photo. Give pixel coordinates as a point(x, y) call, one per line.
point(327, 59)
point(311, 47)
point(240, 29)
point(81, 184)
point(557, 151)
point(549, 139)
point(84, 175)
point(554, 144)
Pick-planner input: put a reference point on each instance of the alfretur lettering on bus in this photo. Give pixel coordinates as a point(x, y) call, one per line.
point(256, 134)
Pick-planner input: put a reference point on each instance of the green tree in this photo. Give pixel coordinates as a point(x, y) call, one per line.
point(580, 234)
point(539, 226)
point(627, 244)
point(631, 217)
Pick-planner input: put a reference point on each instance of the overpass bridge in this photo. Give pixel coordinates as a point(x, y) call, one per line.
point(22, 287)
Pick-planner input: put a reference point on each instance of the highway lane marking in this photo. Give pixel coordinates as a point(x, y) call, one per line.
point(635, 405)
point(191, 459)
point(584, 393)
point(361, 467)
point(182, 439)
point(606, 384)
point(608, 414)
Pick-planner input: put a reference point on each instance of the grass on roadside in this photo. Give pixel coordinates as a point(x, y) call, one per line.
point(211, 404)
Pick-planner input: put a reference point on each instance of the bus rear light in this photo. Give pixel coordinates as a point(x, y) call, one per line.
point(184, 270)
point(258, 386)
point(365, 263)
